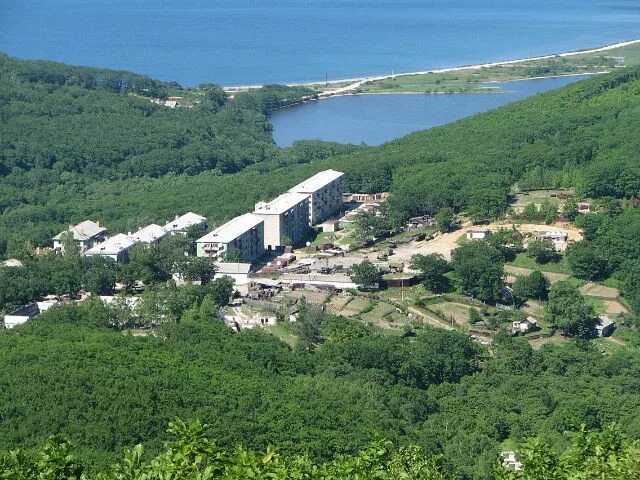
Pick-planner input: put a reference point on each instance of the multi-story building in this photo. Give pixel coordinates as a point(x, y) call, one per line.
point(117, 248)
point(325, 194)
point(286, 220)
point(183, 223)
point(151, 234)
point(244, 234)
point(86, 234)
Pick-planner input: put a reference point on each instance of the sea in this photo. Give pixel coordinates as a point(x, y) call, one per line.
point(252, 42)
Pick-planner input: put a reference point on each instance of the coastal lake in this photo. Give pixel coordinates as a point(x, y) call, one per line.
point(375, 119)
point(249, 42)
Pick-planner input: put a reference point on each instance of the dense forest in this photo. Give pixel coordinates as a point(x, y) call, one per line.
point(67, 372)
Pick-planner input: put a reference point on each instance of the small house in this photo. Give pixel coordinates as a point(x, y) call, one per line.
point(478, 234)
point(420, 222)
point(27, 312)
point(604, 326)
point(527, 325)
point(557, 238)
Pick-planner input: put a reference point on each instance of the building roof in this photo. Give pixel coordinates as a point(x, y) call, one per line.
point(232, 229)
point(280, 204)
point(150, 233)
point(604, 321)
point(226, 268)
point(318, 181)
point(12, 262)
point(83, 231)
point(555, 234)
point(112, 246)
point(185, 221)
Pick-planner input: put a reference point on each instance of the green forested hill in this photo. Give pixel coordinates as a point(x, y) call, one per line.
point(60, 166)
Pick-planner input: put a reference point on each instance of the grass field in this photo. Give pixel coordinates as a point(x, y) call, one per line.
point(524, 261)
point(284, 332)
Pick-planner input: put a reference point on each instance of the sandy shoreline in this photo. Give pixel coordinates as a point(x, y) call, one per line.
point(355, 83)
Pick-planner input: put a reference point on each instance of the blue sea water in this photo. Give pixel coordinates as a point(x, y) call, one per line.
point(375, 119)
point(257, 41)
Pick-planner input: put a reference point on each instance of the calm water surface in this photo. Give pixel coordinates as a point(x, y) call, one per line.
point(260, 41)
point(375, 119)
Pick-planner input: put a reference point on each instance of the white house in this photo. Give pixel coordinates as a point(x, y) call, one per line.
point(182, 223)
point(117, 248)
point(557, 238)
point(478, 234)
point(150, 234)
point(12, 263)
point(527, 325)
point(245, 234)
point(286, 216)
point(325, 194)
point(87, 234)
point(27, 312)
point(239, 272)
point(604, 326)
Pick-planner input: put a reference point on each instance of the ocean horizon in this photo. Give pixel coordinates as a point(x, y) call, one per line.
point(246, 42)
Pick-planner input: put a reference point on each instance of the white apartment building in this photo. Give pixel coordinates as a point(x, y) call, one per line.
point(150, 234)
point(325, 194)
point(183, 223)
point(116, 248)
point(244, 234)
point(86, 234)
point(286, 216)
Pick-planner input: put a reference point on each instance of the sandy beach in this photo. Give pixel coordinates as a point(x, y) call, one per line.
point(355, 83)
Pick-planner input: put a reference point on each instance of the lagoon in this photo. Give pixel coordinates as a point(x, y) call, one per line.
point(375, 119)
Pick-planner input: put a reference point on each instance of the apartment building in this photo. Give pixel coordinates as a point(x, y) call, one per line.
point(285, 219)
point(324, 190)
point(244, 234)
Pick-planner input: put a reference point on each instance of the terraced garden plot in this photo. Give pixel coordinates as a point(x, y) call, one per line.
point(380, 311)
point(355, 306)
point(338, 303)
point(458, 311)
point(594, 290)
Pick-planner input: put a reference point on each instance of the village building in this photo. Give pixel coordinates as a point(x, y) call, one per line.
point(86, 234)
point(422, 221)
point(117, 248)
point(27, 312)
point(529, 324)
point(151, 234)
point(557, 238)
point(181, 224)
point(12, 263)
point(285, 218)
point(243, 234)
point(478, 234)
point(604, 326)
point(239, 272)
point(325, 194)
point(365, 197)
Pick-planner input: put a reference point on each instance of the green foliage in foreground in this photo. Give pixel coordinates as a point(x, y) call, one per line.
point(193, 455)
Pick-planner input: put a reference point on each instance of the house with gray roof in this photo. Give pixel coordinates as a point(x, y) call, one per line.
point(86, 234)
